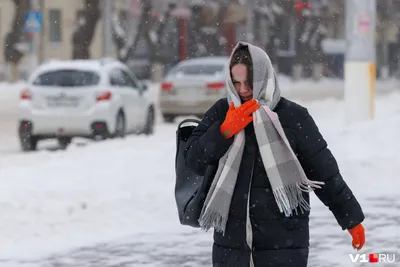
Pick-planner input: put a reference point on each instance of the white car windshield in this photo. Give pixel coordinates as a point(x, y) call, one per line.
point(67, 78)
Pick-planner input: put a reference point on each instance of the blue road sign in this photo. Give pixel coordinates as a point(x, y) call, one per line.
point(33, 21)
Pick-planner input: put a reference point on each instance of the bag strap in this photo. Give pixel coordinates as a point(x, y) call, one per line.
point(186, 121)
point(177, 134)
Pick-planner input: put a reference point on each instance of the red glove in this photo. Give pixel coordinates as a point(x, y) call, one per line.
point(238, 118)
point(358, 235)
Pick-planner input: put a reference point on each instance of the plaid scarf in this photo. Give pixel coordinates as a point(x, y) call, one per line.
point(285, 174)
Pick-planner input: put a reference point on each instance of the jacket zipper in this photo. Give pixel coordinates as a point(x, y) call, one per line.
point(249, 230)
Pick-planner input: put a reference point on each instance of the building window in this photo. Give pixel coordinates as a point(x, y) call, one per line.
point(55, 31)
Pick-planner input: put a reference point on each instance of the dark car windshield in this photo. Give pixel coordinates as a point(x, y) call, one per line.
point(70, 78)
point(199, 69)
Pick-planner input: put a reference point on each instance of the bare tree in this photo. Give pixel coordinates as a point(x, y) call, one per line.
point(152, 30)
point(207, 28)
point(149, 29)
point(218, 41)
point(387, 17)
point(319, 33)
point(86, 22)
point(271, 35)
point(12, 53)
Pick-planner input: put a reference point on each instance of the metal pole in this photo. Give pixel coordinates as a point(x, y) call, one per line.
point(32, 45)
point(41, 46)
point(250, 21)
point(107, 31)
point(384, 70)
point(360, 60)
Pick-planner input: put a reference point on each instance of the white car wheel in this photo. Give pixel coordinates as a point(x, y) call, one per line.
point(120, 126)
point(150, 121)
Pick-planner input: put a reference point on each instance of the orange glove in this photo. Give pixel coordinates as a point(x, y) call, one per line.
point(358, 234)
point(238, 118)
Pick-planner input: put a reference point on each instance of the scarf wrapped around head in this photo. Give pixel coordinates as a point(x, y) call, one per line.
point(285, 174)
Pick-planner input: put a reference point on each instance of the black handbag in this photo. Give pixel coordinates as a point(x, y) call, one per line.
point(190, 188)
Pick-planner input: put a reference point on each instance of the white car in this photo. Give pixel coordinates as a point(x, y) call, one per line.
point(83, 98)
point(193, 86)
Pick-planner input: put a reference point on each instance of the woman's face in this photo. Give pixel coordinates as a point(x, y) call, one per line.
point(242, 85)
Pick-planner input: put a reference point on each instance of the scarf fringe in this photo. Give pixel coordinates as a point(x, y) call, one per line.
point(212, 218)
point(291, 198)
point(309, 186)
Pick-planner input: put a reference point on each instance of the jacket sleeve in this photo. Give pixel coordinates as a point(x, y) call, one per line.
point(207, 145)
point(320, 165)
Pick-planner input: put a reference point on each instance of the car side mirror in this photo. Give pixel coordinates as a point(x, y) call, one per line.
point(143, 88)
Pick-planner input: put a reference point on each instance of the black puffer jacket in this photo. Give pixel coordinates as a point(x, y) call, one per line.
point(277, 240)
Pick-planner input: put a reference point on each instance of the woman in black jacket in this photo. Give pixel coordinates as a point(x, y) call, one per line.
point(270, 155)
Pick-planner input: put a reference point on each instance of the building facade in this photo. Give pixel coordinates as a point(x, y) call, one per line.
point(59, 22)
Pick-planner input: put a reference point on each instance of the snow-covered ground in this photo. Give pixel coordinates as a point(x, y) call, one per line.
point(112, 202)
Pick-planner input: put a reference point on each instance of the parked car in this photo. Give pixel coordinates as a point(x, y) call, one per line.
point(192, 86)
point(83, 98)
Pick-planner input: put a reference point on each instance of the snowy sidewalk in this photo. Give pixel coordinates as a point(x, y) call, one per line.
point(329, 246)
point(111, 203)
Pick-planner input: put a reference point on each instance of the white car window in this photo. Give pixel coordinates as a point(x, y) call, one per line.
point(67, 78)
point(116, 77)
point(119, 77)
point(128, 80)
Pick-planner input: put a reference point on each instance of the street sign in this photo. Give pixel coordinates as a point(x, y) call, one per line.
point(33, 21)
